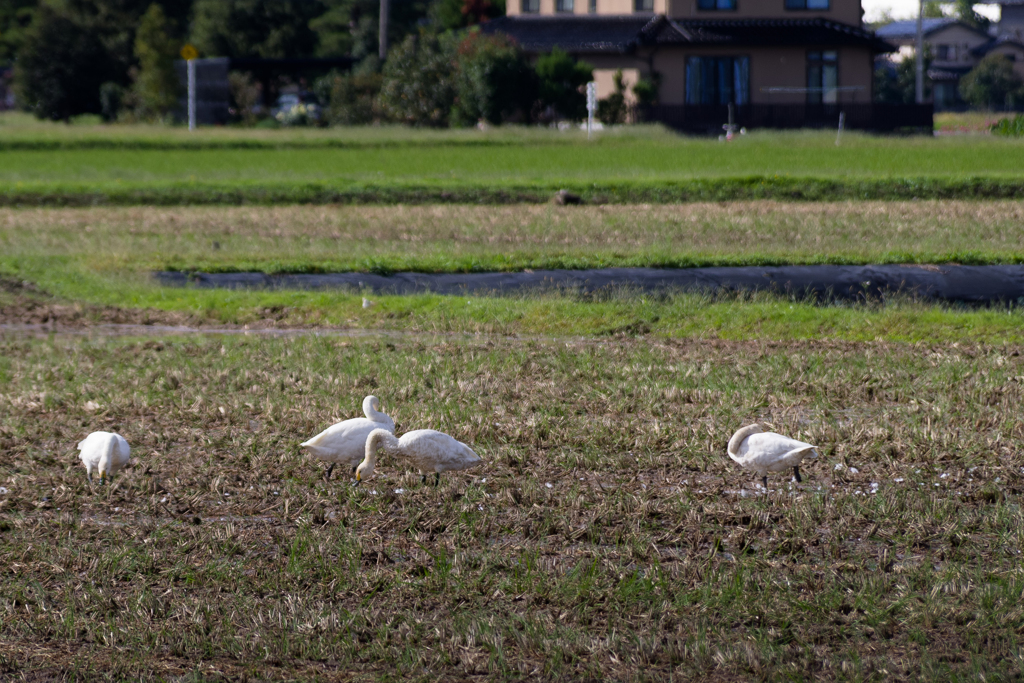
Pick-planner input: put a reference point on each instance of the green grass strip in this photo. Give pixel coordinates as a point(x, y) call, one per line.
point(652, 191)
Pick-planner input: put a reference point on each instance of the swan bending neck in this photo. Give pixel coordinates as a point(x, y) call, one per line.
point(737, 439)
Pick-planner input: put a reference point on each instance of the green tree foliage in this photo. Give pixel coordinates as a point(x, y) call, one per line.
point(352, 96)
point(495, 81)
point(15, 18)
point(560, 84)
point(992, 84)
point(897, 84)
point(933, 10)
point(613, 109)
point(60, 67)
point(255, 28)
point(419, 80)
point(156, 87)
point(455, 14)
point(964, 11)
point(73, 46)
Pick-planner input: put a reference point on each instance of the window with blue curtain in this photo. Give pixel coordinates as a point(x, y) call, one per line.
point(717, 80)
point(716, 4)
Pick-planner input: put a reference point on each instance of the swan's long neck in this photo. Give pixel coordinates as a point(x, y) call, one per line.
point(371, 409)
point(737, 439)
point(378, 438)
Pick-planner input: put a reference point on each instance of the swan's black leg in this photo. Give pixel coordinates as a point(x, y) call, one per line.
point(437, 478)
point(423, 479)
point(327, 475)
point(764, 480)
point(796, 473)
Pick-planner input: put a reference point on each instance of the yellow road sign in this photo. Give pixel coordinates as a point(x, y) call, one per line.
point(189, 52)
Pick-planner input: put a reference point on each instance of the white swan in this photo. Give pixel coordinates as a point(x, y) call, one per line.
point(104, 452)
point(766, 452)
point(345, 442)
point(426, 449)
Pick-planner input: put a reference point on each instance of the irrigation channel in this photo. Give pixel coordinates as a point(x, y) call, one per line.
point(975, 284)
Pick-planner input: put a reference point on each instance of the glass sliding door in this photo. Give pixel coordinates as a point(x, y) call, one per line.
point(717, 80)
point(822, 77)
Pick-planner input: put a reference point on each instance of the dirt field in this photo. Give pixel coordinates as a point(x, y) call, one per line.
point(608, 536)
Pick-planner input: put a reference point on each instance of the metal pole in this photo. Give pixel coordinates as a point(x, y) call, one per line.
point(383, 38)
point(919, 56)
point(191, 94)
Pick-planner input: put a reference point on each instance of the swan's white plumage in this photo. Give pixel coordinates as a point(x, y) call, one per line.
point(345, 442)
point(425, 449)
point(103, 452)
point(764, 452)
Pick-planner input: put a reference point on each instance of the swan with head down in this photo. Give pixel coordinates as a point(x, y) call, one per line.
point(765, 452)
point(345, 442)
point(425, 449)
point(103, 452)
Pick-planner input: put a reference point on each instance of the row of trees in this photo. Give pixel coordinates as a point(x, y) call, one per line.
point(66, 52)
point(463, 78)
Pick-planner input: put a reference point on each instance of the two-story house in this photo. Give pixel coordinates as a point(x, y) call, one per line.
point(953, 48)
point(776, 62)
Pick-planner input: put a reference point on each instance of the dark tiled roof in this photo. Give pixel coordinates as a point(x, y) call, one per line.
point(617, 33)
point(985, 48)
point(908, 29)
point(779, 32)
point(624, 33)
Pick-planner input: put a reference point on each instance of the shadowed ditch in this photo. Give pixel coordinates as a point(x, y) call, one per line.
point(973, 284)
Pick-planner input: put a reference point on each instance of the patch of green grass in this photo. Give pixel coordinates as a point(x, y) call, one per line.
point(132, 298)
point(162, 166)
point(441, 239)
point(93, 266)
point(605, 537)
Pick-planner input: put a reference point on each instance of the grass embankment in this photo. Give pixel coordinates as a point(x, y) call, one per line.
point(115, 165)
point(89, 258)
point(605, 538)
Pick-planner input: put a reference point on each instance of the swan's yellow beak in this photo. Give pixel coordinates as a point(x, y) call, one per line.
point(358, 478)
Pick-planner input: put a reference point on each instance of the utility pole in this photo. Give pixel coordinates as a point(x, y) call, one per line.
point(383, 40)
point(918, 56)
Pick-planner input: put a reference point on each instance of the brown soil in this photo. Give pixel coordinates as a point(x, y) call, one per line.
point(23, 303)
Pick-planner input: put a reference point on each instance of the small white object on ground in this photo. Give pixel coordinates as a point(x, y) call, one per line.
point(103, 452)
point(367, 303)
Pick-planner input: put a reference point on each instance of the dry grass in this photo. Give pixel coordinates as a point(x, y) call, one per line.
point(608, 536)
point(445, 237)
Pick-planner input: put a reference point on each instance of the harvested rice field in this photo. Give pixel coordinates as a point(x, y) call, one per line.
point(607, 537)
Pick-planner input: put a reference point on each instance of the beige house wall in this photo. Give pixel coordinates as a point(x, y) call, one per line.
point(845, 11)
point(770, 67)
point(605, 7)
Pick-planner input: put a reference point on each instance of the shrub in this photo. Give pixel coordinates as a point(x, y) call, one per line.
point(112, 96)
point(1012, 127)
point(156, 86)
point(245, 95)
point(613, 109)
point(418, 84)
point(992, 83)
point(560, 84)
point(494, 83)
point(351, 97)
